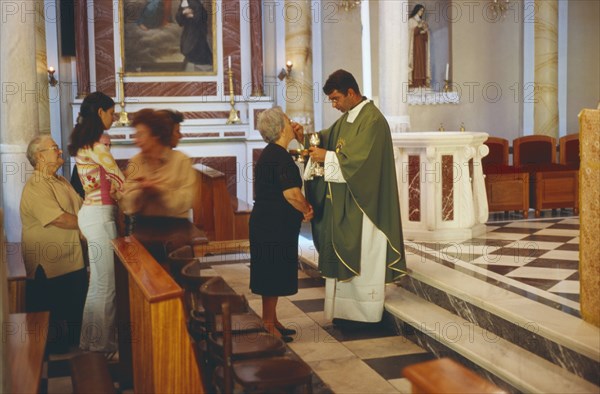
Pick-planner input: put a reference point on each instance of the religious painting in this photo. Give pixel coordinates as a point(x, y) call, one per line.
point(168, 37)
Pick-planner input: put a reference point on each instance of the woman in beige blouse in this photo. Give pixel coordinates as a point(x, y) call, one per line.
point(160, 180)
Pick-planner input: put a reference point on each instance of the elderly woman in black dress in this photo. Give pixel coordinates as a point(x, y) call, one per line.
point(279, 208)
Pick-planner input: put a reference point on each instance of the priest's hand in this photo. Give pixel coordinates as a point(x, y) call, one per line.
point(317, 154)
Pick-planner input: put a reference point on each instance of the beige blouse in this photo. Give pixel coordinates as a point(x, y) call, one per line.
point(44, 199)
point(173, 194)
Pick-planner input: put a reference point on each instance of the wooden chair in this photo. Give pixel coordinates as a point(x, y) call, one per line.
point(507, 188)
point(534, 149)
point(551, 185)
point(90, 374)
point(568, 150)
point(273, 374)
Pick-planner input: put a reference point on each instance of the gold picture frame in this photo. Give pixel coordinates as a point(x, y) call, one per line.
point(168, 37)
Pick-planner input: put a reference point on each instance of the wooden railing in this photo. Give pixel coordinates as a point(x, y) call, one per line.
point(154, 346)
point(222, 216)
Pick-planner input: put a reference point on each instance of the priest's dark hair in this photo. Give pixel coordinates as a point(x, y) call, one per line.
point(158, 122)
point(89, 125)
point(341, 80)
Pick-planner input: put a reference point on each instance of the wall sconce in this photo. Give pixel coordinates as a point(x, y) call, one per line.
point(285, 72)
point(51, 80)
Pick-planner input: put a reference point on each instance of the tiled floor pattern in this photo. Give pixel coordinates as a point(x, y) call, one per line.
point(537, 259)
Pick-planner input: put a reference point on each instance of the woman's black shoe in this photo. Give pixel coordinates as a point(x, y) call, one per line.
point(286, 331)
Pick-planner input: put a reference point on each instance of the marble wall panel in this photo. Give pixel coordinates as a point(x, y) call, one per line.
point(256, 47)
point(82, 53)
point(447, 188)
point(134, 89)
point(414, 188)
point(105, 47)
point(230, 13)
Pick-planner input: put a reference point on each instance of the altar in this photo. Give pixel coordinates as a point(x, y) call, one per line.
point(441, 184)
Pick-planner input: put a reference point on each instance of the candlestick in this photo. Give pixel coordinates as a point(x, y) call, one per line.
point(233, 116)
point(123, 117)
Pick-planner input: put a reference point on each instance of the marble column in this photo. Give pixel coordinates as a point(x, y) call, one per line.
point(256, 47)
point(298, 49)
point(393, 63)
point(545, 109)
point(82, 53)
point(24, 107)
point(589, 244)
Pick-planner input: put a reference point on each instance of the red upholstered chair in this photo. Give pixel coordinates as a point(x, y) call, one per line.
point(534, 149)
point(507, 188)
point(568, 149)
point(552, 185)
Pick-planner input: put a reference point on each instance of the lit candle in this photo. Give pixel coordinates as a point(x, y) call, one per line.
point(50, 69)
point(229, 59)
point(447, 71)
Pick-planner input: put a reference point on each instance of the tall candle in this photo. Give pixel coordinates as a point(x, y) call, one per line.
point(447, 71)
point(229, 59)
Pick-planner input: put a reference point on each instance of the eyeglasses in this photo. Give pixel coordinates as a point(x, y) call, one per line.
point(53, 147)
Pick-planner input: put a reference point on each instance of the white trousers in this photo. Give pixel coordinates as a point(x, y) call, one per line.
point(98, 331)
point(363, 297)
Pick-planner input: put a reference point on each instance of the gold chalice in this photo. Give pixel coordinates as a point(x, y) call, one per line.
point(315, 140)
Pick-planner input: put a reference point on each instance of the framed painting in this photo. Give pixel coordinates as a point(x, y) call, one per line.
point(168, 37)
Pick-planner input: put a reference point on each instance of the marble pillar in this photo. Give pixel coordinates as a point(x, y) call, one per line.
point(589, 244)
point(24, 107)
point(546, 68)
point(393, 63)
point(298, 49)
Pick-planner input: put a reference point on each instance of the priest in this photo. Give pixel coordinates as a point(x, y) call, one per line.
point(356, 226)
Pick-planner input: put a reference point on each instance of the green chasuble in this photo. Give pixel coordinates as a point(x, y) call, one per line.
point(364, 150)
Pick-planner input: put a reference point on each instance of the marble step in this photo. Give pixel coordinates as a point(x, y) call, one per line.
point(506, 364)
point(563, 339)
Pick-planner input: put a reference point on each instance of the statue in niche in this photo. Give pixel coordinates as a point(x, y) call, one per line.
point(418, 59)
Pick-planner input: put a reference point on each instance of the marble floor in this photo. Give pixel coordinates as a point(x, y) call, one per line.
point(535, 259)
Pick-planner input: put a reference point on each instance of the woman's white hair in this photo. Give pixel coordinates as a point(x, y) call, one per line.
point(34, 147)
point(271, 123)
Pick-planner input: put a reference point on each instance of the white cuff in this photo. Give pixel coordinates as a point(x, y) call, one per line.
point(333, 172)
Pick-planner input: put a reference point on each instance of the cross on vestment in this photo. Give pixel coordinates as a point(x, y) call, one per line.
point(372, 293)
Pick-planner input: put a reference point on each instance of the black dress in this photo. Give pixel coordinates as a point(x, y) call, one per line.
point(274, 225)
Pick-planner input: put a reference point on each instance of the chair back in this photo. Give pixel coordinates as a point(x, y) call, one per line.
point(534, 149)
point(498, 154)
point(213, 294)
point(178, 259)
point(569, 150)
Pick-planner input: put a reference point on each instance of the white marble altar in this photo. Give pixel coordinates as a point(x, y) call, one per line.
point(441, 184)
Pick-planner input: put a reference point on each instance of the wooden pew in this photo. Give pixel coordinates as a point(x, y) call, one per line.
point(162, 354)
point(220, 215)
point(16, 277)
point(26, 335)
point(447, 376)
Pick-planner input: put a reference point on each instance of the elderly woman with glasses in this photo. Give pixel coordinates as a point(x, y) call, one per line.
point(56, 277)
point(279, 208)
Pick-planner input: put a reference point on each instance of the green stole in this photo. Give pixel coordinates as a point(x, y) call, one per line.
point(365, 153)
